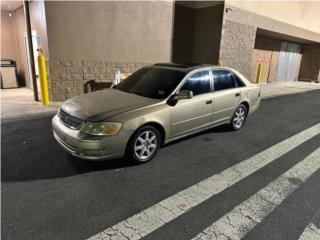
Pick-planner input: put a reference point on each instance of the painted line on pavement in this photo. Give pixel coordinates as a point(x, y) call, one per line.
point(244, 217)
point(172, 207)
point(312, 231)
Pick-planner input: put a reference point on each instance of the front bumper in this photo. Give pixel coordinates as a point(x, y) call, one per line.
point(87, 146)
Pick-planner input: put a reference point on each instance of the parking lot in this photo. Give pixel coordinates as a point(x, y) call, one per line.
point(261, 182)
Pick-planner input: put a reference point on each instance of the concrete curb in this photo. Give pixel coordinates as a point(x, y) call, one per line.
point(287, 94)
point(27, 117)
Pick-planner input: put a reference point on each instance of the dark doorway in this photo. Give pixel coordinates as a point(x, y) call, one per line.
point(197, 31)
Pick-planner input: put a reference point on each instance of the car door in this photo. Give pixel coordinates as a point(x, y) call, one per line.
point(227, 95)
point(191, 114)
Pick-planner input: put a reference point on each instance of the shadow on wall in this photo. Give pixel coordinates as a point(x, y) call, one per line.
point(197, 32)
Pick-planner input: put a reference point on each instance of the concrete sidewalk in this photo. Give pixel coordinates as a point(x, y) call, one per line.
point(278, 89)
point(19, 102)
point(16, 103)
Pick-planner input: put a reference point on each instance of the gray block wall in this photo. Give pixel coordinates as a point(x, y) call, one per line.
point(237, 43)
point(67, 78)
point(310, 62)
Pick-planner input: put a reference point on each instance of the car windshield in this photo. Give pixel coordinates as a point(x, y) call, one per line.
point(152, 82)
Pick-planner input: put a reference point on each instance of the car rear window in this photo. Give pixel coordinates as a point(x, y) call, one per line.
point(223, 80)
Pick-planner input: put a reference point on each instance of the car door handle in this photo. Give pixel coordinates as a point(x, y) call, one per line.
point(237, 94)
point(208, 101)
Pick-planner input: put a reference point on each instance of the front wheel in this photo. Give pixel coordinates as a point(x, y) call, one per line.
point(143, 145)
point(239, 117)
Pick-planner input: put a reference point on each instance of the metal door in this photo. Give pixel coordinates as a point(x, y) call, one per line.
point(288, 63)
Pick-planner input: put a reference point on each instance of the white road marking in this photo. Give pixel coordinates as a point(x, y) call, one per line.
point(244, 217)
point(170, 208)
point(312, 231)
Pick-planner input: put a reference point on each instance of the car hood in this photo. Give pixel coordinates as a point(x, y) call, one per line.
point(99, 105)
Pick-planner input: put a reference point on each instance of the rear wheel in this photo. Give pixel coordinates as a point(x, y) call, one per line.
point(239, 117)
point(144, 144)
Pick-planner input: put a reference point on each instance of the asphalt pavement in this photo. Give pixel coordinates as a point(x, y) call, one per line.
point(46, 194)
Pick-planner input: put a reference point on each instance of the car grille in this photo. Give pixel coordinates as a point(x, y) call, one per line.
point(70, 121)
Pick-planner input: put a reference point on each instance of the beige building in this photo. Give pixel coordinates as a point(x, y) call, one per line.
point(92, 40)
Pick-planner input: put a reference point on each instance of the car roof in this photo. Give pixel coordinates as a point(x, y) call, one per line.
point(184, 67)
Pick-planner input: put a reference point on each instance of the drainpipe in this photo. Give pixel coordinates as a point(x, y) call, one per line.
point(30, 47)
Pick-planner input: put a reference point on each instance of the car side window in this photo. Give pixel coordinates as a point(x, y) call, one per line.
point(223, 80)
point(238, 81)
point(198, 83)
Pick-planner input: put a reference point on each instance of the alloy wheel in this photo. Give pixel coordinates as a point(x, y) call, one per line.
point(239, 117)
point(145, 145)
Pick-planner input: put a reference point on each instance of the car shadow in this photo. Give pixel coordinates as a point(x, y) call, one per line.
point(28, 163)
point(83, 166)
point(219, 129)
point(59, 166)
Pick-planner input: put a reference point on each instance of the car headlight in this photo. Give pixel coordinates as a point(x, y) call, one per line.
point(101, 128)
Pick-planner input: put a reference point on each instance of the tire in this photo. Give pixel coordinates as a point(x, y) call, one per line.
point(239, 117)
point(143, 145)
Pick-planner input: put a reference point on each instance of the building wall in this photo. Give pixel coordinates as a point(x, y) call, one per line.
point(236, 50)
point(182, 44)
point(267, 43)
point(20, 28)
point(16, 34)
point(38, 23)
point(102, 36)
point(197, 33)
point(310, 62)
point(207, 34)
point(8, 40)
point(237, 43)
point(303, 14)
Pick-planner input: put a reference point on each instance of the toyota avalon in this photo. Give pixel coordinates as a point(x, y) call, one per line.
point(153, 106)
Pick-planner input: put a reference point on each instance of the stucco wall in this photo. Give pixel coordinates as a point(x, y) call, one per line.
point(207, 33)
point(303, 14)
point(12, 34)
point(8, 40)
point(197, 33)
point(116, 31)
point(182, 44)
point(92, 40)
point(20, 28)
point(38, 23)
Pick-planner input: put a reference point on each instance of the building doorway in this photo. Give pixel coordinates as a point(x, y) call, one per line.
point(197, 31)
point(289, 62)
point(280, 59)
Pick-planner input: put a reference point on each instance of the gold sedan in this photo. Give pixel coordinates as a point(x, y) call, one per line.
point(153, 106)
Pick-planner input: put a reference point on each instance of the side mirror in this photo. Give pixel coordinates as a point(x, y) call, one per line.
point(184, 94)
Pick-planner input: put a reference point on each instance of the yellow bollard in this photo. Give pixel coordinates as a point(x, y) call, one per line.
point(43, 79)
point(259, 73)
point(220, 64)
